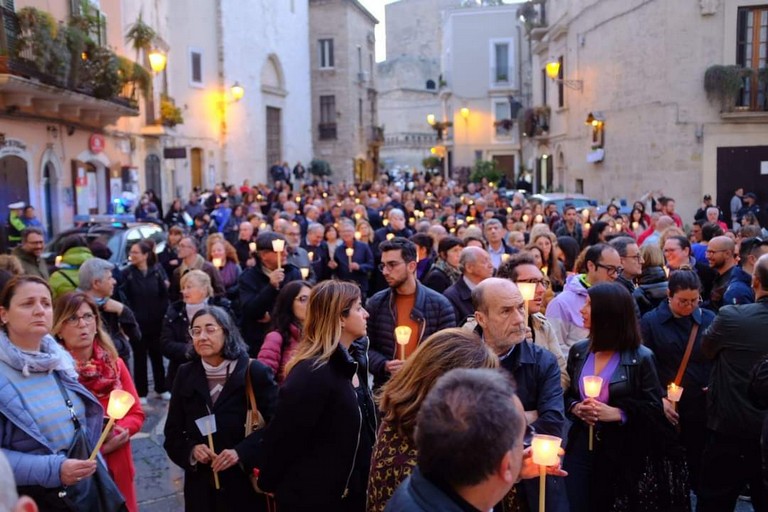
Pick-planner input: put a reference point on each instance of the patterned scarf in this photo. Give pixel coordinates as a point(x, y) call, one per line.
point(453, 273)
point(99, 373)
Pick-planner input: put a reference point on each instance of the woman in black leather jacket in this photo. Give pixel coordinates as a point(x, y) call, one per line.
point(316, 451)
point(636, 463)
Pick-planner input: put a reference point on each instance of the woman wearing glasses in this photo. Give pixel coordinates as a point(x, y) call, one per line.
point(213, 383)
point(317, 450)
point(288, 317)
point(667, 330)
point(77, 326)
point(196, 293)
point(635, 463)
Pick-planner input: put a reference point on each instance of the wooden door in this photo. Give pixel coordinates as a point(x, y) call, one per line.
point(741, 166)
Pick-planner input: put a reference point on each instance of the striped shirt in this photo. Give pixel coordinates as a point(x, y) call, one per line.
point(45, 403)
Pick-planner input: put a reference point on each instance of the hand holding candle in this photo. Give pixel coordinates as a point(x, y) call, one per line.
point(592, 386)
point(674, 392)
point(278, 246)
point(350, 252)
point(403, 336)
point(207, 427)
point(120, 402)
point(528, 291)
point(218, 262)
point(252, 246)
point(304, 272)
point(546, 452)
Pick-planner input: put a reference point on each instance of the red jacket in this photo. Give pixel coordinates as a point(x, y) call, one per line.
point(120, 461)
point(273, 355)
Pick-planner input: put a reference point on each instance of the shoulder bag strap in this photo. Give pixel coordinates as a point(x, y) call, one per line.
point(68, 401)
point(73, 283)
point(687, 355)
point(249, 389)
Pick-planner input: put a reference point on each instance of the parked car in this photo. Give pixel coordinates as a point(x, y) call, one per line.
point(560, 200)
point(117, 232)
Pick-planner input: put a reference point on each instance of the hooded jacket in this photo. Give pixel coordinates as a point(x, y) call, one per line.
point(564, 312)
point(65, 278)
point(739, 290)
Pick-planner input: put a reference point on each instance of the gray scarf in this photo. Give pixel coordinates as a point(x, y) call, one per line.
point(50, 357)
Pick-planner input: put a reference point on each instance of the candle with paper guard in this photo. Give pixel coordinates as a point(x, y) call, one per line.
point(528, 291)
point(358, 235)
point(218, 262)
point(304, 272)
point(120, 402)
point(403, 336)
point(278, 246)
point(592, 386)
point(350, 252)
point(58, 260)
point(545, 452)
point(504, 258)
point(252, 246)
point(674, 392)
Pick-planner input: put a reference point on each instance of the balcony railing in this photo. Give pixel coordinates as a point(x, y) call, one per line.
point(375, 135)
point(36, 75)
point(327, 131)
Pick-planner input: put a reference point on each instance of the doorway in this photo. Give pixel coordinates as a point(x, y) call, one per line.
point(742, 166)
point(274, 143)
point(49, 189)
point(154, 175)
point(196, 157)
point(14, 183)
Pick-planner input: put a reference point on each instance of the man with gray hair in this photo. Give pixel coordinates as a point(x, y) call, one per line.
point(96, 281)
point(475, 265)
point(500, 314)
point(493, 232)
point(10, 501)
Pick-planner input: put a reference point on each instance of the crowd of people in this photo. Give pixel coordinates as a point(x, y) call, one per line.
point(378, 347)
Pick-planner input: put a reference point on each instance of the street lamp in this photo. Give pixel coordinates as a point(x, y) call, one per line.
point(237, 91)
point(439, 126)
point(157, 60)
point(464, 113)
point(552, 69)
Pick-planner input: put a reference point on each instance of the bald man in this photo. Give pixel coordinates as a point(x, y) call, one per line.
point(475, 265)
point(500, 314)
point(721, 255)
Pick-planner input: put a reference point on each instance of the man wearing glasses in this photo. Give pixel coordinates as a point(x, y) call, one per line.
point(602, 263)
point(405, 302)
point(721, 254)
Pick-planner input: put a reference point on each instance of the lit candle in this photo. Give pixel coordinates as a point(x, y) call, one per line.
point(390, 236)
point(459, 222)
point(545, 452)
point(509, 209)
point(586, 226)
point(263, 225)
point(278, 246)
point(252, 246)
point(311, 256)
point(525, 218)
point(666, 271)
point(350, 251)
point(120, 402)
point(619, 225)
point(304, 272)
point(403, 336)
point(58, 260)
point(358, 235)
point(592, 386)
point(357, 216)
point(218, 262)
point(528, 291)
point(585, 213)
point(504, 258)
point(544, 270)
point(635, 225)
point(385, 222)
point(674, 392)
point(538, 219)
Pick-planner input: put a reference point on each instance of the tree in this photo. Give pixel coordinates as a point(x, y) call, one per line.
point(320, 168)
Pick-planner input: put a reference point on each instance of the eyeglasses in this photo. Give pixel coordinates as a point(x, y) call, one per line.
point(611, 270)
point(210, 330)
point(543, 282)
point(637, 257)
point(390, 265)
point(75, 320)
point(688, 302)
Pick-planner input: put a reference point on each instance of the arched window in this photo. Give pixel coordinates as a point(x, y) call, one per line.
point(431, 85)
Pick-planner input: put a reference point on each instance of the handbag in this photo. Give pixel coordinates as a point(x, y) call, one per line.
point(98, 492)
point(253, 419)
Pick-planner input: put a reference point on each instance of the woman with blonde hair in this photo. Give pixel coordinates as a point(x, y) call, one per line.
point(77, 326)
point(317, 450)
point(553, 269)
point(394, 454)
point(11, 264)
point(366, 231)
point(651, 288)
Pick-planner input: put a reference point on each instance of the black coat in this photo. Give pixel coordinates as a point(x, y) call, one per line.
point(461, 298)
point(431, 310)
point(257, 298)
point(191, 400)
point(123, 329)
point(169, 260)
point(318, 447)
point(436, 279)
point(146, 294)
point(175, 342)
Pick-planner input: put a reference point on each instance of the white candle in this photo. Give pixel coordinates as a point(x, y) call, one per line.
point(58, 260)
point(592, 385)
point(311, 256)
point(403, 336)
point(674, 392)
point(218, 262)
point(545, 450)
point(304, 272)
point(278, 246)
point(350, 251)
point(358, 235)
point(120, 402)
point(504, 258)
point(390, 236)
point(252, 246)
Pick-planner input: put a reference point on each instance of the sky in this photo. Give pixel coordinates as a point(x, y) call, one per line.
point(376, 7)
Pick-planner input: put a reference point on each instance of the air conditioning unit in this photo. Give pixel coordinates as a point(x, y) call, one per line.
point(362, 77)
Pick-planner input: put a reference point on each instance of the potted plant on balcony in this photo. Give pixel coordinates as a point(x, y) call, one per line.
point(723, 84)
point(170, 114)
point(487, 169)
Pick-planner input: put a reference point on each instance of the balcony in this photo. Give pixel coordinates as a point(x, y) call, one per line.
point(54, 83)
point(375, 135)
point(536, 122)
point(326, 131)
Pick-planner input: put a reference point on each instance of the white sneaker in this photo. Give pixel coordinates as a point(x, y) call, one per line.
point(165, 395)
point(143, 400)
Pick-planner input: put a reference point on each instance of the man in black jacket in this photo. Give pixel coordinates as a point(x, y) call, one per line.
point(736, 341)
point(259, 286)
point(95, 278)
point(405, 302)
point(475, 265)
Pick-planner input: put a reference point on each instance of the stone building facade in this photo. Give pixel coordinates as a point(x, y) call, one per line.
point(345, 127)
point(635, 72)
